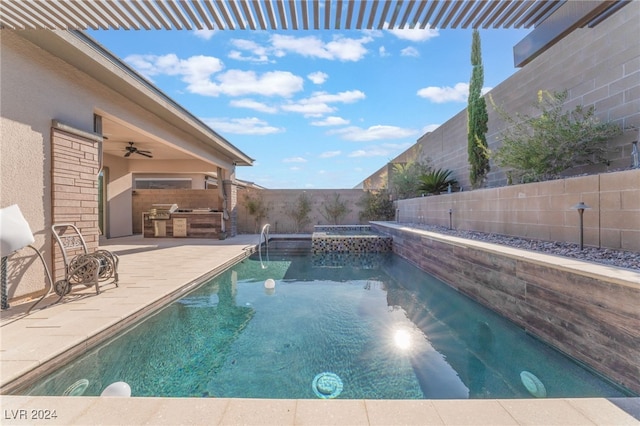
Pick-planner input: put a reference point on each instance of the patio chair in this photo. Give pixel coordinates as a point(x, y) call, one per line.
point(15, 234)
point(80, 266)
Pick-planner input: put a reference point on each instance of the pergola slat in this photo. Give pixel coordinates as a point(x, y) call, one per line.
point(203, 15)
point(259, 15)
point(407, 12)
point(186, 6)
point(225, 14)
point(385, 11)
point(451, 13)
point(293, 14)
point(432, 8)
point(236, 14)
point(277, 14)
point(467, 5)
point(338, 15)
point(372, 14)
point(363, 6)
point(130, 22)
point(282, 14)
point(271, 14)
point(214, 14)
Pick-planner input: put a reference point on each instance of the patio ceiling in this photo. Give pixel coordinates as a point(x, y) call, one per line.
point(274, 14)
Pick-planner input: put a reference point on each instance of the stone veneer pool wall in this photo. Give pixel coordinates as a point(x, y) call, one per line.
point(588, 311)
point(348, 239)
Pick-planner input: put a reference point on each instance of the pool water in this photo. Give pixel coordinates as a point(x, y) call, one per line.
point(377, 326)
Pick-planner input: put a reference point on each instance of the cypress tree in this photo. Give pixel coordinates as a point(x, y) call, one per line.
point(477, 118)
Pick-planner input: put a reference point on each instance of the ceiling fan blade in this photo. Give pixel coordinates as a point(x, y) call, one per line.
point(144, 153)
point(128, 153)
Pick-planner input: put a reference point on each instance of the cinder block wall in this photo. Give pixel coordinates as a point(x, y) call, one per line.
point(589, 315)
point(277, 201)
point(598, 67)
point(542, 210)
point(143, 199)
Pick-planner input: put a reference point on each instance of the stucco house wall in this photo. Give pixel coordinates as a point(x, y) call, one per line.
point(38, 87)
point(598, 66)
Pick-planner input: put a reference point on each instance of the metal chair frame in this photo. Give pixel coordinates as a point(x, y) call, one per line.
point(88, 269)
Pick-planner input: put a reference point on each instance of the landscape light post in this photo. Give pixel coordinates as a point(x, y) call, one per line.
point(581, 207)
point(450, 222)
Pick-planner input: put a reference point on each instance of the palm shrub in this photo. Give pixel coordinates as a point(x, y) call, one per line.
point(405, 178)
point(436, 181)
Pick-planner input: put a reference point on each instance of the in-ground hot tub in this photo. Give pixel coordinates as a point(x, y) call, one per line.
point(348, 239)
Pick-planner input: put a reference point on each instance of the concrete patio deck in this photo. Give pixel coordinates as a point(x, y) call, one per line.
point(153, 271)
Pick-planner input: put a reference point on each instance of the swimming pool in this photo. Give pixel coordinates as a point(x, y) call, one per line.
point(378, 326)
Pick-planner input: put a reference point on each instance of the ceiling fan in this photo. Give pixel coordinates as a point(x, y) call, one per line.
point(133, 150)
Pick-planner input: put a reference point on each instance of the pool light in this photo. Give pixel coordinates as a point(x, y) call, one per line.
point(117, 389)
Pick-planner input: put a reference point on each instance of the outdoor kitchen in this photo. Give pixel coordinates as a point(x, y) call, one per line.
point(168, 221)
point(179, 213)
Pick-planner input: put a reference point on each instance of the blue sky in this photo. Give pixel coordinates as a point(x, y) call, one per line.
point(316, 109)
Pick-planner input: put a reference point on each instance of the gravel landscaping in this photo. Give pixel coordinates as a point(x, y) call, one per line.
point(617, 258)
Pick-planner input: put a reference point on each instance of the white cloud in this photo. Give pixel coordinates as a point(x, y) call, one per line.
point(414, 34)
point(330, 121)
point(308, 109)
point(294, 168)
point(254, 105)
point(192, 69)
point(383, 52)
point(197, 72)
point(319, 102)
point(340, 48)
point(241, 126)
point(385, 150)
point(239, 83)
point(257, 53)
point(458, 93)
point(294, 160)
point(347, 97)
point(330, 154)
point(410, 51)
point(372, 133)
point(318, 77)
point(204, 34)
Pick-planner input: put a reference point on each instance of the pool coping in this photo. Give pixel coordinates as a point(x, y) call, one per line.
point(167, 254)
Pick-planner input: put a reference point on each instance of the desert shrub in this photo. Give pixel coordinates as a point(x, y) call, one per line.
point(543, 146)
point(256, 207)
point(298, 211)
point(334, 209)
point(376, 205)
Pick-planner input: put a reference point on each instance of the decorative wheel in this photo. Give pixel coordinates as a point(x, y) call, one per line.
point(83, 269)
point(62, 287)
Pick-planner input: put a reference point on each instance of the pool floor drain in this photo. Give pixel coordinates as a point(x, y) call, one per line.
point(327, 385)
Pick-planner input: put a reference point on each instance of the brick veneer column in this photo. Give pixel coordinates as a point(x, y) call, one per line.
point(74, 188)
